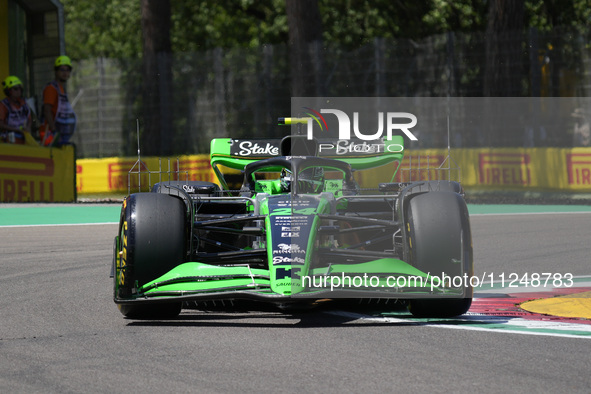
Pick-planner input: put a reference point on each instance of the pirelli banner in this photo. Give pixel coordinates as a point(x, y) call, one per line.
point(502, 169)
point(33, 173)
point(118, 175)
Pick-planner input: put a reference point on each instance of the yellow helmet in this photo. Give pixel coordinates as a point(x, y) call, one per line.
point(10, 82)
point(62, 61)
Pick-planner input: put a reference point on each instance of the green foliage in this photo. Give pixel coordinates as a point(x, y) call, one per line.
point(456, 15)
point(112, 28)
point(355, 22)
point(227, 23)
point(108, 28)
point(548, 14)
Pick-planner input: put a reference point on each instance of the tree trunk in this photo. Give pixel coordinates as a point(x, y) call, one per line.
point(504, 57)
point(157, 78)
point(503, 69)
point(305, 47)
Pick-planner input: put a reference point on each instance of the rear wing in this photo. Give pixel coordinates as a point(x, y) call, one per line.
point(361, 155)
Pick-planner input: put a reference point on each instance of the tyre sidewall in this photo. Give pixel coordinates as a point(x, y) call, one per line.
point(439, 243)
point(152, 240)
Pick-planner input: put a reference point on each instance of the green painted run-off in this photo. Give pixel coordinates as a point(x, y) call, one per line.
point(82, 214)
point(48, 215)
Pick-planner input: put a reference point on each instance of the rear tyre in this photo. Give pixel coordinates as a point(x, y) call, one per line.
point(439, 243)
point(152, 242)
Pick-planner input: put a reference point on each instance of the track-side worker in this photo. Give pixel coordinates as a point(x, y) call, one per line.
point(15, 114)
point(59, 117)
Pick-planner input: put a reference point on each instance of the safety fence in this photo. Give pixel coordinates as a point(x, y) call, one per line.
point(240, 92)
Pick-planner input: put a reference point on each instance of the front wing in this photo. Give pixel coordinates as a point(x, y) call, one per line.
point(382, 278)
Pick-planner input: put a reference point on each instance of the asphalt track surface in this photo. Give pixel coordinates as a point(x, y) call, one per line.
point(61, 332)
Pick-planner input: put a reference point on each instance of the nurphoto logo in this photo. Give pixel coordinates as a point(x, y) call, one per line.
point(391, 119)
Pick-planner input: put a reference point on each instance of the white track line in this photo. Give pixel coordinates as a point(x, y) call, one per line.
point(528, 213)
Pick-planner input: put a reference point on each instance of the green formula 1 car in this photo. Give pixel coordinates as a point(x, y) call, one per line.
point(297, 231)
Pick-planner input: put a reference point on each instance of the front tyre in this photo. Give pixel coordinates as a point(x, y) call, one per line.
point(439, 242)
point(152, 242)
